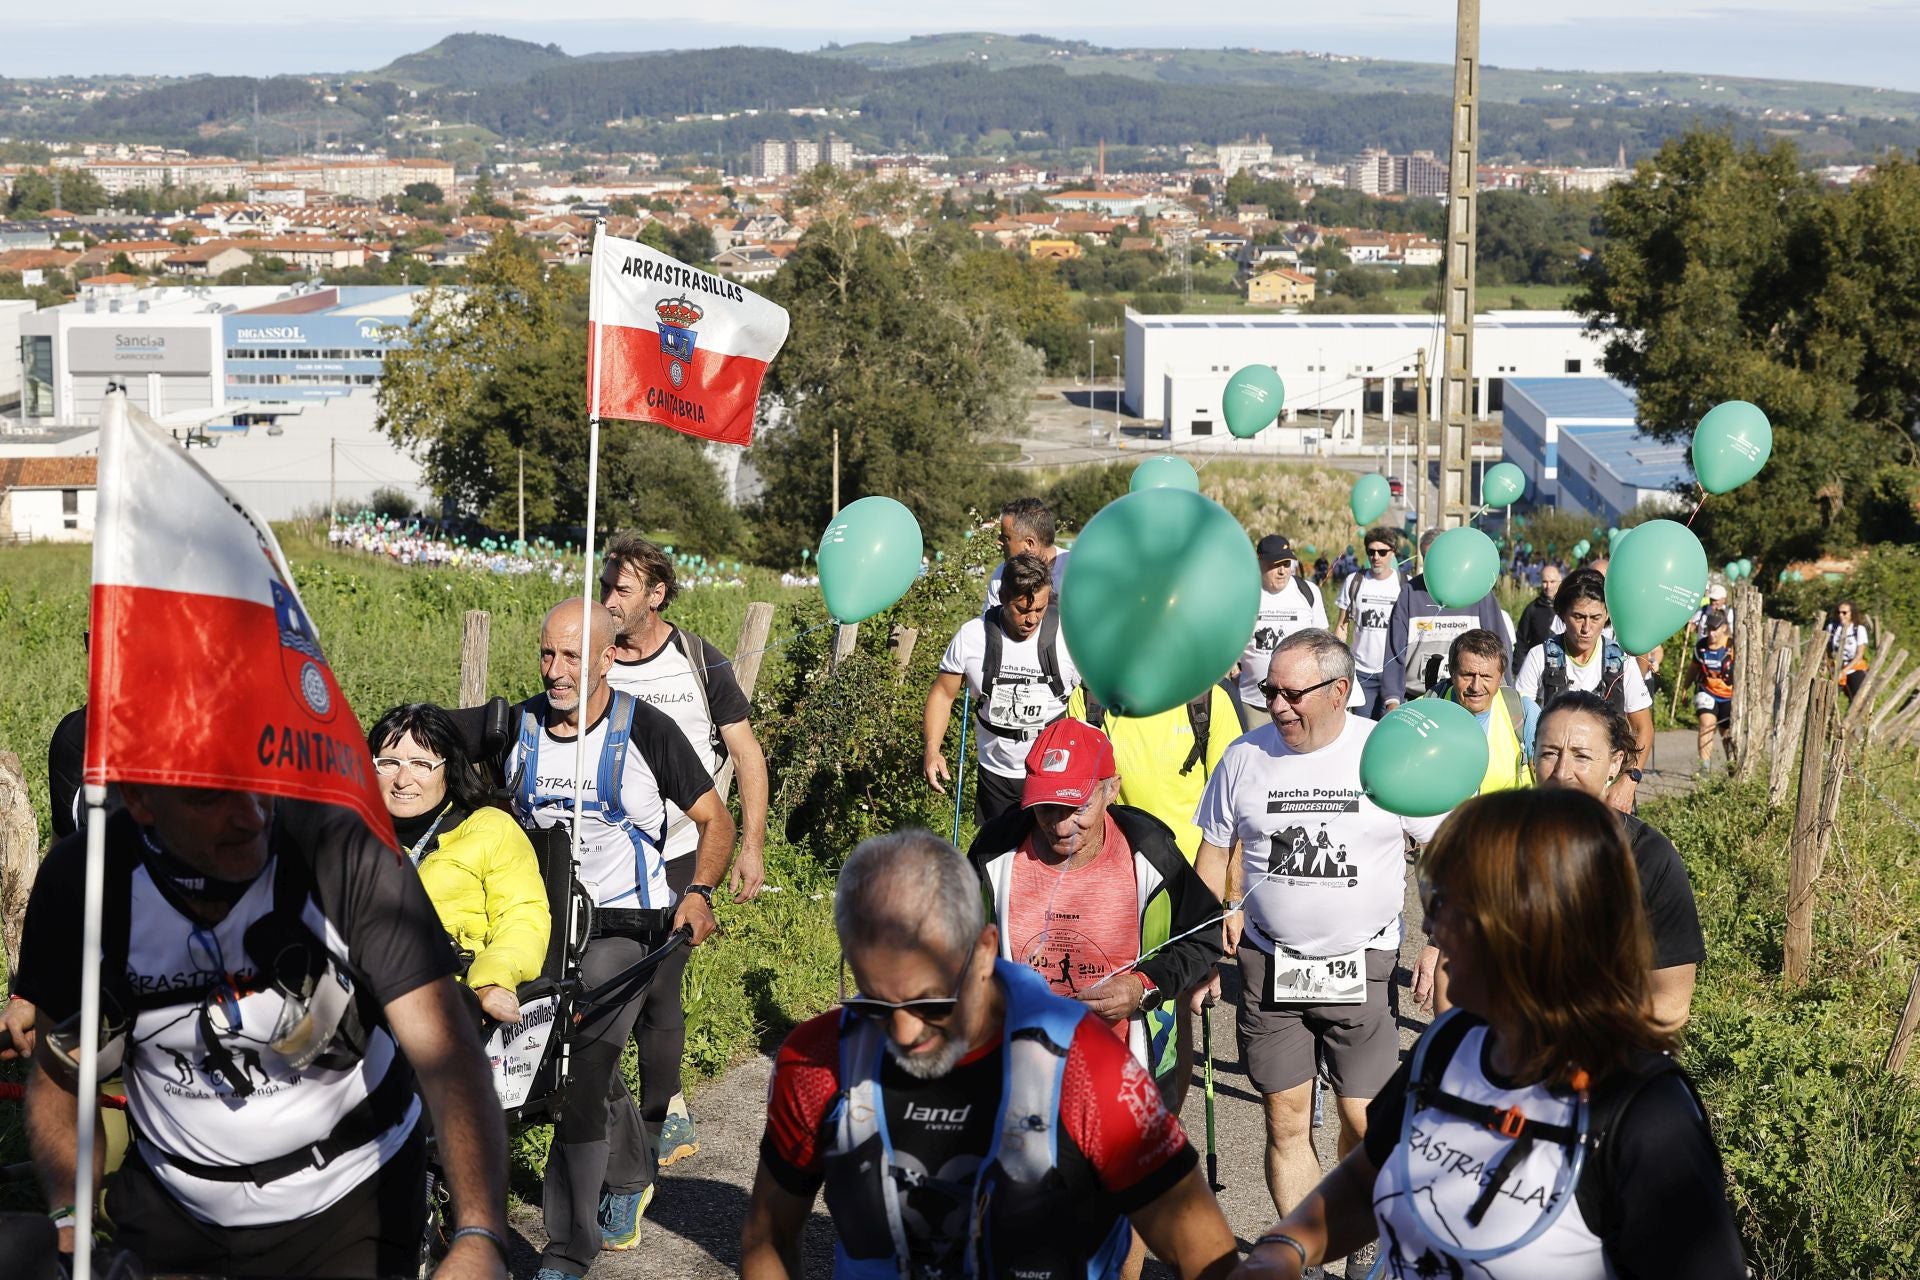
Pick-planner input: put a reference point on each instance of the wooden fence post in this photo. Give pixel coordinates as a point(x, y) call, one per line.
point(1807, 847)
point(902, 641)
point(752, 647)
point(19, 854)
point(1895, 701)
point(1789, 726)
point(1909, 1022)
point(475, 636)
point(845, 637)
point(1878, 674)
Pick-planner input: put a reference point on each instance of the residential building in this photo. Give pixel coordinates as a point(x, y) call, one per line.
point(207, 261)
point(48, 499)
point(840, 153)
point(1279, 287)
point(1380, 173)
point(117, 177)
point(803, 156)
point(1114, 204)
point(770, 159)
point(1235, 156)
point(748, 264)
point(1053, 250)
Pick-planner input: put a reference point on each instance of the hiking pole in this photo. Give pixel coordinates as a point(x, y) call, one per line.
point(1206, 1047)
point(960, 774)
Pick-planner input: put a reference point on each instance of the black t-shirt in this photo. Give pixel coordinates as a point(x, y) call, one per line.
point(1664, 1181)
point(370, 896)
point(1668, 894)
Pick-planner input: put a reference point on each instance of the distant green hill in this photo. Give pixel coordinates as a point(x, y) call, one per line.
point(1339, 73)
point(472, 60)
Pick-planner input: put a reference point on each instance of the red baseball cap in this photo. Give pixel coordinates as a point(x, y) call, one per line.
point(1066, 762)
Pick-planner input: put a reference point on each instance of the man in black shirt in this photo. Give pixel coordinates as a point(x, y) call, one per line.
point(1536, 620)
point(278, 1131)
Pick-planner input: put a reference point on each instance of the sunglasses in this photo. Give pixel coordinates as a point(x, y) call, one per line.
point(1379, 552)
point(1270, 691)
point(932, 1009)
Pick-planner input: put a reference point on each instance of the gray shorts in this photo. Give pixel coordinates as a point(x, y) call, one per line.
point(1277, 1042)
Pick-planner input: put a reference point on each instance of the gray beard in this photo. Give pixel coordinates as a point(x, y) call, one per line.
point(928, 1066)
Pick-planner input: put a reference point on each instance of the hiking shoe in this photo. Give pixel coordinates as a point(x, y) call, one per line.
point(677, 1139)
point(1361, 1261)
point(620, 1219)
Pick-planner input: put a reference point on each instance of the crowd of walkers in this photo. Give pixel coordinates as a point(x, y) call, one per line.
point(997, 1092)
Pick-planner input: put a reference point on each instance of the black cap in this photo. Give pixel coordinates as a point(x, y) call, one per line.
point(1275, 547)
point(1716, 619)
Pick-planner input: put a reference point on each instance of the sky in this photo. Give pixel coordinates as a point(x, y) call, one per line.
point(1848, 41)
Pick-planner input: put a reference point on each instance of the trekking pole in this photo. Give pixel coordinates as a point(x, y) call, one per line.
point(1206, 1047)
point(960, 774)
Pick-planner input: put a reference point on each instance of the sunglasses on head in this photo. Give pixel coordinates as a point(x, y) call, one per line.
point(1270, 691)
point(933, 1009)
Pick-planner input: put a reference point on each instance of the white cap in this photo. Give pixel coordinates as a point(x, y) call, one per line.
point(1717, 591)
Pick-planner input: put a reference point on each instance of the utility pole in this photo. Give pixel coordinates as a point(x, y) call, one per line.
point(333, 477)
point(1115, 438)
point(1093, 421)
point(522, 487)
point(1456, 397)
point(1419, 450)
point(836, 469)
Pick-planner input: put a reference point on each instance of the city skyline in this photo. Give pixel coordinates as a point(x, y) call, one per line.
point(1857, 44)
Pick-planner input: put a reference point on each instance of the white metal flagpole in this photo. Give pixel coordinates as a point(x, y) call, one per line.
point(88, 1089)
point(588, 575)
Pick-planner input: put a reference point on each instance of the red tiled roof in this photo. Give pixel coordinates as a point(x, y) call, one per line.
point(48, 473)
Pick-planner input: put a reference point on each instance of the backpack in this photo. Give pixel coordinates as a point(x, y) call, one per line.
point(1553, 675)
point(1199, 718)
point(1049, 646)
point(693, 649)
point(1606, 1105)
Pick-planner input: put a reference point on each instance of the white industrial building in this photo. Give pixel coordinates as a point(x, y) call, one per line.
point(1336, 368)
point(12, 312)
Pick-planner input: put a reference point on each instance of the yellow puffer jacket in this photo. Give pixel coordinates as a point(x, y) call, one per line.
point(486, 887)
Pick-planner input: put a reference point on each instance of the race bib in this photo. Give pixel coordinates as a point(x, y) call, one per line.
point(514, 1050)
point(1337, 979)
point(1019, 706)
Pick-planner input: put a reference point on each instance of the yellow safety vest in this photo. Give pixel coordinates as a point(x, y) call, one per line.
point(1506, 762)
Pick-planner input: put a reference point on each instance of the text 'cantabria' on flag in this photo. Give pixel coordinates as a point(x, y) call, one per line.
point(676, 346)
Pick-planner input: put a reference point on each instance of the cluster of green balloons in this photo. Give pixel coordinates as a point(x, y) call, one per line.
point(1369, 499)
point(1424, 757)
point(1737, 569)
point(1160, 596)
point(1252, 401)
point(1579, 549)
point(1654, 583)
point(868, 557)
point(1730, 446)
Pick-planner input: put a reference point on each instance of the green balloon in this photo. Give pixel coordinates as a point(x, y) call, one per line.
point(1746, 567)
point(1165, 471)
point(1461, 567)
point(1730, 446)
point(1654, 583)
point(804, 553)
point(868, 558)
point(1310, 549)
point(1370, 498)
point(1732, 569)
point(1503, 486)
point(1252, 400)
point(1423, 758)
point(1580, 548)
point(1160, 597)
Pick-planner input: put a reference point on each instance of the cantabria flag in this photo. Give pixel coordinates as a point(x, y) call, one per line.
point(677, 346)
point(205, 669)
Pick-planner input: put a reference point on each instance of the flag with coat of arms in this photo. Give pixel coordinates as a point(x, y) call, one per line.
point(677, 346)
point(205, 670)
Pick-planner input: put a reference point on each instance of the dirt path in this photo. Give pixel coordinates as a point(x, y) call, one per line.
point(692, 1232)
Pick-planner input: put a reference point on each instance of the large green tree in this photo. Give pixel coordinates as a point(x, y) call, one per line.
point(494, 375)
point(898, 344)
point(1729, 273)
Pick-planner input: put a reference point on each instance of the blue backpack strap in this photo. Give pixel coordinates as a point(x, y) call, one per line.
point(529, 752)
point(613, 757)
point(1039, 1032)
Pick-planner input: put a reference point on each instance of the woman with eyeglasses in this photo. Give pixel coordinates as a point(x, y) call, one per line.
point(475, 861)
point(1541, 1128)
point(1847, 642)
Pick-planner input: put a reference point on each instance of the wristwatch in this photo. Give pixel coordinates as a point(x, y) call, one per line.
point(704, 890)
point(1635, 774)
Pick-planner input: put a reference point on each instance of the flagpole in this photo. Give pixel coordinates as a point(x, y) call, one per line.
point(588, 575)
point(88, 1088)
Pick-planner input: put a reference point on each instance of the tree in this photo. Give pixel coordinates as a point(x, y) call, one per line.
point(889, 347)
point(1729, 273)
point(496, 373)
point(425, 193)
point(80, 192)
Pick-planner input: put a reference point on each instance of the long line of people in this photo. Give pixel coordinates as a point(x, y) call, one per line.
point(998, 1092)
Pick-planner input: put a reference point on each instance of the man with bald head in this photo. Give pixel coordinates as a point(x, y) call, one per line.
point(601, 1167)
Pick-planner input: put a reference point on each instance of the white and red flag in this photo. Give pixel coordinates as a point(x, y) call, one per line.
point(205, 668)
point(676, 346)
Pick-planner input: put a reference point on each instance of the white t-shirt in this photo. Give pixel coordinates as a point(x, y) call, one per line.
point(1022, 699)
point(1339, 859)
point(1282, 613)
point(620, 865)
point(1585, 676)
point(1368, 601)
point(1000, 570)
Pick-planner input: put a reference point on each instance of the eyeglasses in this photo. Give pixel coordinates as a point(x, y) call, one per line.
point(1270, 691)
point(1379, 552)
point(930, 1009)
point(387, 766)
